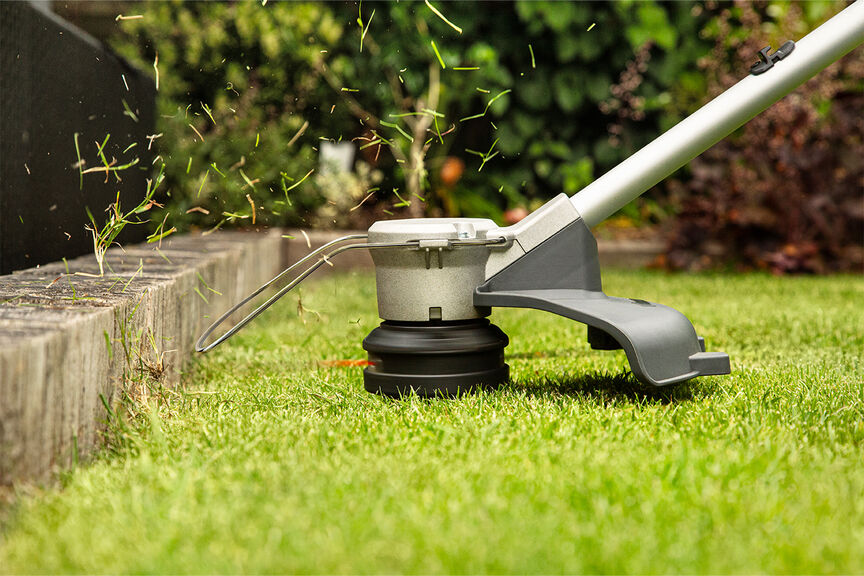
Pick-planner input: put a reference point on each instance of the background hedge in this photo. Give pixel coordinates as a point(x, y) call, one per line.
point(248, 93)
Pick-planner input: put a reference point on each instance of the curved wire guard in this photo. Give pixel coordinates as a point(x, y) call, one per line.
point(323, 258)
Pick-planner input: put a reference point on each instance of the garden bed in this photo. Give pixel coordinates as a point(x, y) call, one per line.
point(272, 457)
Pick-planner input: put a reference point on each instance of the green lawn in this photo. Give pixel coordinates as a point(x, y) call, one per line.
point(271, 461)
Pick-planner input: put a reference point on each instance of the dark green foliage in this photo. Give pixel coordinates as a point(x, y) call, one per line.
point(253, 69)
point(283, 64)
point(561, 93)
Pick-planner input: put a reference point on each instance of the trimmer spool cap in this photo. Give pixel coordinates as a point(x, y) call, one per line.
point(437, 358)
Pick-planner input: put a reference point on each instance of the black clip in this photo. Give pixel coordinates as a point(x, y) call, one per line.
point(766, 61)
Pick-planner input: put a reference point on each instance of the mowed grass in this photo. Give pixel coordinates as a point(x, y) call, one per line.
point(272, 461)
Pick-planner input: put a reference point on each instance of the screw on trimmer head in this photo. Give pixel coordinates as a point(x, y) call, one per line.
point(438, 279)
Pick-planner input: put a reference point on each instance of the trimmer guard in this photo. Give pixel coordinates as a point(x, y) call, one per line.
point(562, 276)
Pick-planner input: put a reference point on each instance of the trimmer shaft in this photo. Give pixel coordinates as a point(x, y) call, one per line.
point(435, 358)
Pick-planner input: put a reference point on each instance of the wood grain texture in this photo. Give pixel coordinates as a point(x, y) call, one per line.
point(55, 360)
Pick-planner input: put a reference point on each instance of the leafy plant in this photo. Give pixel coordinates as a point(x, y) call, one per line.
point(238, 106)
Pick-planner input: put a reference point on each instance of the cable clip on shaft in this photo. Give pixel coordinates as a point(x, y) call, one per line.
point(766, 61)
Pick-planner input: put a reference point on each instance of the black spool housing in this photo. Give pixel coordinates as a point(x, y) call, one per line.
point(435, 358)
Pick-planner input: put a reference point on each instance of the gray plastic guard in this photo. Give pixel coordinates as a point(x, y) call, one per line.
point(562, 276)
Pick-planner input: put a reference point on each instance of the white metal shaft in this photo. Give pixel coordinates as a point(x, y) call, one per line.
point(720, 117)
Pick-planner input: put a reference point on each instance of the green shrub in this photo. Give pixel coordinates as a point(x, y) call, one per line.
point(249, 77)
point(237, 85)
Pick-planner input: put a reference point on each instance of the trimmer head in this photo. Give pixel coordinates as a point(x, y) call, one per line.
point(433, 295)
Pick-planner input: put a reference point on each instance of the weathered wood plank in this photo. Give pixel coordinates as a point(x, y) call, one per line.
point(55, 360)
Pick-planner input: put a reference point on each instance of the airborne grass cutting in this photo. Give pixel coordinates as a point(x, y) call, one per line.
point(274, 459)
